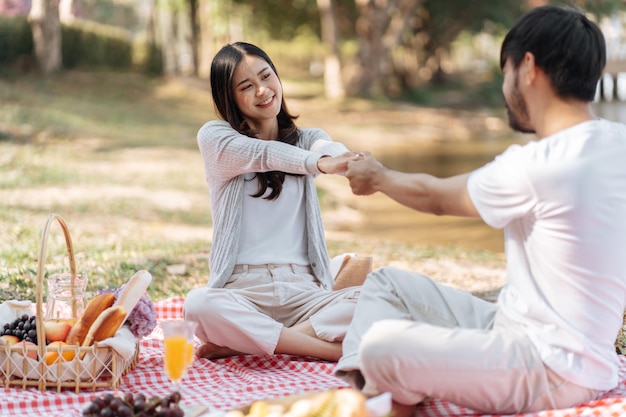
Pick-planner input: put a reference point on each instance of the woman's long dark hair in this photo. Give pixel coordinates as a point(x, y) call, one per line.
point(223, 69)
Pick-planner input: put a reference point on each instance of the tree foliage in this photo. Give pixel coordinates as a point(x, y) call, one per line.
point(283, 19)
point(397, 38)
point(399, 44)
point(433, 27)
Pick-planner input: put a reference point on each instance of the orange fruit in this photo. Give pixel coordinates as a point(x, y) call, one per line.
point(56, 350)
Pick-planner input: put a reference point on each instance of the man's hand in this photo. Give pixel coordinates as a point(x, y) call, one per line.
point(419, 191)
point(364, 172)
point(337, 164)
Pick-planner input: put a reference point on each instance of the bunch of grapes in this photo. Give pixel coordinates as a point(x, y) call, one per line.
point(23, 327)
point(137, 405)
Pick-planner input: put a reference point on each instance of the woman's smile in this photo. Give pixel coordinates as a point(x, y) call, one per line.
point(267, 102)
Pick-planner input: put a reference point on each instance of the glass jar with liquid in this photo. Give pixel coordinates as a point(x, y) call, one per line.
point(65, 300)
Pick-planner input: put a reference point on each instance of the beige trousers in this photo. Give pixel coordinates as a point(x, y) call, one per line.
point(248, 314)
point(416, 339)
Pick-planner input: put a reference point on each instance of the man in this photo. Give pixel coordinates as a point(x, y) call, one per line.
point(549, 340)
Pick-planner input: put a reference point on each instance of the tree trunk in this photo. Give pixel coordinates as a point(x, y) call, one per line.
point(332, 69)
point(44, 21)
point(167, 34)
point(195, 35)
point(206, 48)
point(379, 29)
point(66, 11)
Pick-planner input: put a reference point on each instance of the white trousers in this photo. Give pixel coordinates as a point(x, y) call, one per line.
point(416, 339)
point(249, 313)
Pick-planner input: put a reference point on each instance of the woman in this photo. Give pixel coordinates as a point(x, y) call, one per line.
point(270, 289)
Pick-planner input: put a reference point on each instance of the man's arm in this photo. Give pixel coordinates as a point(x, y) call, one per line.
point(421, 192)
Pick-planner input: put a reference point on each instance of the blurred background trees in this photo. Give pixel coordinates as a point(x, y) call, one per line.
point(361, 47)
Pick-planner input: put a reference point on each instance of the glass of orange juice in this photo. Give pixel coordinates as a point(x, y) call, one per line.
point(178, 347)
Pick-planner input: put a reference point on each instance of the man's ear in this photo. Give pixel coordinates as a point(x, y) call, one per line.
point(528, 69)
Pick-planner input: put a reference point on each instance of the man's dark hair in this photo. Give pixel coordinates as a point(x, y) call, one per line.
point(566, 45)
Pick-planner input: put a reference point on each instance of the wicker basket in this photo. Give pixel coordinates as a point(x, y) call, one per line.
point(100, 366)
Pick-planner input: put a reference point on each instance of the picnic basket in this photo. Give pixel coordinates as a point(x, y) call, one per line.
point(87, 367)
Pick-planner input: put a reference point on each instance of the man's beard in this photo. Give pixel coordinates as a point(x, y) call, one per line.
point(517, 112)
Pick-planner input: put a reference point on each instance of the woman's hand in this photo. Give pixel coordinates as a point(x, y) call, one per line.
point(337, 164)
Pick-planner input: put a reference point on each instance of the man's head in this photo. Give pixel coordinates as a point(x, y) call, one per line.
point(566, 45)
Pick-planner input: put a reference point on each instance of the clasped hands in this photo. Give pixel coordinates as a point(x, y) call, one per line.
point(360, 168)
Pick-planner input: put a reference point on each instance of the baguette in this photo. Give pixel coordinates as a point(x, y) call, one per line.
point(132, 291)
point(94, 308)
point(106, 325)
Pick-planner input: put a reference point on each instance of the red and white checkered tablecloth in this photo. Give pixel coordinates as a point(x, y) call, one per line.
point(229, 383)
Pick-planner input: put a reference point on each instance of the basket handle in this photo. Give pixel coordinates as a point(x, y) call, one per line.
point(40, 272)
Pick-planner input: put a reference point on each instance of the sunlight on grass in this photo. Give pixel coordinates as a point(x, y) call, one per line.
point(116, 156)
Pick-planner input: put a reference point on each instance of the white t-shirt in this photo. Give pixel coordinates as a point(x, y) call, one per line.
point(562, 203)
point(273, 231)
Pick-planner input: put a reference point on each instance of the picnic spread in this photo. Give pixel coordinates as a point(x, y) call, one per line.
point(225, 384)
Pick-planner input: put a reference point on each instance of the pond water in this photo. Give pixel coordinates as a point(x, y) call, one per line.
point(385, 219)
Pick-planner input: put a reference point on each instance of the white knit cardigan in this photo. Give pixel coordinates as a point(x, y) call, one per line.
point(227, 155)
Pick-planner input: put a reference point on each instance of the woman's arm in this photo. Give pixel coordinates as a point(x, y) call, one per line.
point(227, 153)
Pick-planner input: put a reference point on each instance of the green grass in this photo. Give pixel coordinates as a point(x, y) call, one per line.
point(115, 155)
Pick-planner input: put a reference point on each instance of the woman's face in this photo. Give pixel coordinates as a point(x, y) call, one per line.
point(257, 91)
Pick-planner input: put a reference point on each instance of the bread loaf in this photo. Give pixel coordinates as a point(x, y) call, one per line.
point(94, 308)
point(346, 402)
point(350, 403)
point(133, 290)
point(106, 325)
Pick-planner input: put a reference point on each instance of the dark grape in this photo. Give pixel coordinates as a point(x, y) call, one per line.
point(116, 403)
point(99, 402)
point(20, 328)
point(175, 397)
point(107, 412)
point(107, 398)
point(176, 412)
point(124, 411)
point(129, 405)
point(91, 409)
point(139, 404)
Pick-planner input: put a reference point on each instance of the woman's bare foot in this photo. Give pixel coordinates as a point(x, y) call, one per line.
point(212, 351)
